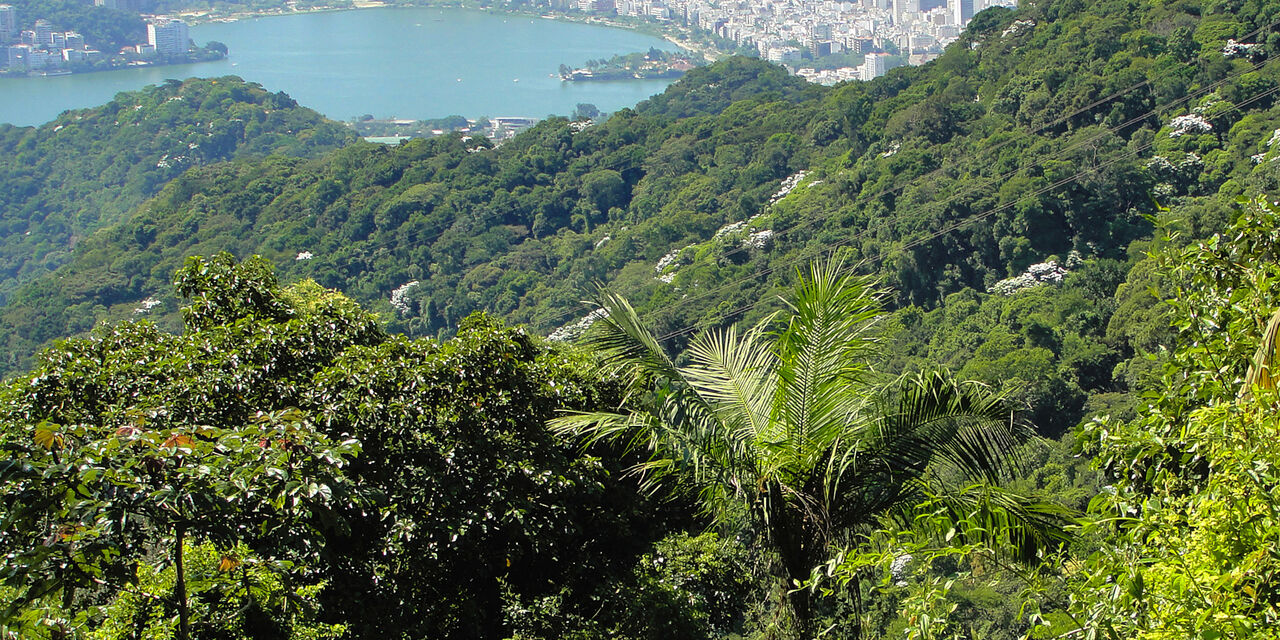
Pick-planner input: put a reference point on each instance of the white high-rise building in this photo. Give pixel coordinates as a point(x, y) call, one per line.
point(961, 11)
point(168, 36)
point(8, 23)
point(873, 66)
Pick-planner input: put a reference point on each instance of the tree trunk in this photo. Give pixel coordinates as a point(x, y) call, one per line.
point(180, 587)
point(855, 588)
point(789, 535)
point(61, 632)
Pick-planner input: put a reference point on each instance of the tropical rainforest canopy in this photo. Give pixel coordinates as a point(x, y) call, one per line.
point(1072, 206)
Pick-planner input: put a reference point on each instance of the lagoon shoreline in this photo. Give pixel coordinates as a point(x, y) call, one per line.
point(405, 64)
point(676, 36)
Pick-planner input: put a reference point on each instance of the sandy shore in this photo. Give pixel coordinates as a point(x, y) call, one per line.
point(204, 17)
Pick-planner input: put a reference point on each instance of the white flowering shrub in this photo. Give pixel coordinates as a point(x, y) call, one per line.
point(1235, 49)
point(731, 228)
point(574, 330)
point(787, 185)
point(1018, 27)
point(1192, 123)
point(1160, 166)
point(147, 305)
point(670, 259)
point(759, 240)
point(399, 297)
point(1035, 275)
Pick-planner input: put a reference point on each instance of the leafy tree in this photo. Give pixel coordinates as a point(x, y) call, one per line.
point(128, 450)
point(482, 507)
point(1189, 528)
point(233, 594)
point(134, 443)
point(92, 496)
point(793, 430)
point(584, 110)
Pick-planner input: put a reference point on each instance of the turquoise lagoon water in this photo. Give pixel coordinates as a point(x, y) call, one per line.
point(407, 63)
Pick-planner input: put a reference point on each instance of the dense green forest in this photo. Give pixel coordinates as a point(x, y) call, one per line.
point(1016, 148)
point(89, 168)
point(1052, 208)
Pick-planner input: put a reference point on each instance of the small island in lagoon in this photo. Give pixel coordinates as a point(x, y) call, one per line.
point(653, 65)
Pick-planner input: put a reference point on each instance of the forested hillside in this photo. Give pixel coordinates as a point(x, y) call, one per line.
point(1072, 205)
point(1054, 133)
point(89, 168)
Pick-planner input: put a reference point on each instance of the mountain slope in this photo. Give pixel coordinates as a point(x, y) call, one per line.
point(88, 168)
point(1045, 131)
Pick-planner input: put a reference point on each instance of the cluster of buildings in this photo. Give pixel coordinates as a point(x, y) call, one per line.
point(43, 48)
point(788, 31)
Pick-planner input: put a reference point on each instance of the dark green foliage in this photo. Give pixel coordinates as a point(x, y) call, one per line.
point(466, 503)
point(479, 498)
point(688, 587)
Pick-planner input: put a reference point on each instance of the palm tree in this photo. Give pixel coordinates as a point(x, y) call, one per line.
point(792, 428)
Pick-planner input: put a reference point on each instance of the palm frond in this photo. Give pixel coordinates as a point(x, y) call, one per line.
point(967, 425)
point(684, 448)
point(1261, 374)
point(822, 354)
point(1008, 524)
point(735, 374)
point(926, 422)
point(625, 344)
point(682, 429)
point(788, 427)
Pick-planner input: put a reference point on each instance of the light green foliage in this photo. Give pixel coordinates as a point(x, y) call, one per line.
point(122, 447)
point(234, 597)
point(790, 430)
point(1191, 520)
